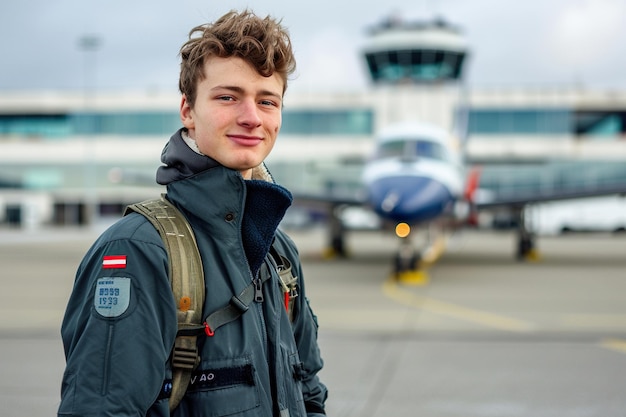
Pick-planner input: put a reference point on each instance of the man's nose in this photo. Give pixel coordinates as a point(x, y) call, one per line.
point(249, 114)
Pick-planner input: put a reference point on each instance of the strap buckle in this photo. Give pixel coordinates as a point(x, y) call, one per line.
point(185, 353)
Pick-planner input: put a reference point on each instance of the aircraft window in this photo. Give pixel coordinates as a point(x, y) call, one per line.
point(391, 149)
point(427, 149)
point(411, 149)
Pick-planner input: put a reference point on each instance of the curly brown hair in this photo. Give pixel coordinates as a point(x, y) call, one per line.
point(263, 43)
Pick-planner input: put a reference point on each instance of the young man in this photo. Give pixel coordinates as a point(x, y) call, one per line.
point(233, 77)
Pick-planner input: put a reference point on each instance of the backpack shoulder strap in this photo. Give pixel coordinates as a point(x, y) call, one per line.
point(240, 303)
point(187, 281)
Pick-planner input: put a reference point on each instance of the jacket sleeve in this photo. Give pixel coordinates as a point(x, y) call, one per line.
point(118, 328)
point(305, 328)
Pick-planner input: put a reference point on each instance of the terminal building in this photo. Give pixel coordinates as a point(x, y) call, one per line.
point(67, 158)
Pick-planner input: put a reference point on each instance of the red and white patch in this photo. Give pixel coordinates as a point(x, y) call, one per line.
point(114, 262)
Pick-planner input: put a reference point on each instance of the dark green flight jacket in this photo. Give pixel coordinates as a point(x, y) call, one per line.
point(120, 323)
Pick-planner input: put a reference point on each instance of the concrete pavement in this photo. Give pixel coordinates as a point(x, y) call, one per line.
point(487, 336)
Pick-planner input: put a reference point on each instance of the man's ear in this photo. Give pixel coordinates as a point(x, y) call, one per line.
point(185, 113)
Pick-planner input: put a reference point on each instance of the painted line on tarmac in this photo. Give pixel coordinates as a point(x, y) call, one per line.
point(495, 321)
point(617, 345)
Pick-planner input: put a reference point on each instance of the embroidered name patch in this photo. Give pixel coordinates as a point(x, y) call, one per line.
point(112, 296)
point(219, 378)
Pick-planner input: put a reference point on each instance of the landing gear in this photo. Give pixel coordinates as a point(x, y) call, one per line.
point(337, 245)
point(525, 245)
point(407, 266)
point(526, 250)
point(407, 259)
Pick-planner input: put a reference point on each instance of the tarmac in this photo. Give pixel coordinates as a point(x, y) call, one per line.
point(485, 336)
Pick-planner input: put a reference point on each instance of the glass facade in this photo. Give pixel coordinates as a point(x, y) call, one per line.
point(520, 121)
point(600, 122)
point(513, 180)
point(35, 125)
point(328, 122)
point(126, 123)
point(415, 65)
point(347, 122)
point(537, 121)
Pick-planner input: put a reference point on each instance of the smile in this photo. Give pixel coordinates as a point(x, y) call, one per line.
point(244, 140)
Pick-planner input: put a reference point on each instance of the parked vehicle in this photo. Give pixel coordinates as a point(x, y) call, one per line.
point(601, 214)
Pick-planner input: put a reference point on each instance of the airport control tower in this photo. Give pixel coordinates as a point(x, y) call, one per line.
point(417, 68)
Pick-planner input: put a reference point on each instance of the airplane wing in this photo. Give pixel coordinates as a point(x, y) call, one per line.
point(514, 200)
point(304, 199)
point(519, 199)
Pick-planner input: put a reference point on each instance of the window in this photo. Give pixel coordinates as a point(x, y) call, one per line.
point(421, 65)
point(329, 122)
point(126, 123)
point(519, 121)
point(411, 149)
point(34, 125)
point(600, 122)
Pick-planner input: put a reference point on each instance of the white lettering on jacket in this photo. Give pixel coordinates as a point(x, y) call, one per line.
point(203, 377)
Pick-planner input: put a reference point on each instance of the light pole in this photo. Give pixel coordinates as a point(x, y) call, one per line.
point(89, 44)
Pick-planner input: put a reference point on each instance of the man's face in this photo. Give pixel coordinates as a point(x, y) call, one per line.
point(237, 113)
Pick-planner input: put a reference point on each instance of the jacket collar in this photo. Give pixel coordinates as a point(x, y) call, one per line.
point(180, 161)
point(209, 191)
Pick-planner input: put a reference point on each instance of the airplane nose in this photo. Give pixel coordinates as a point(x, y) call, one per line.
point(409, 199)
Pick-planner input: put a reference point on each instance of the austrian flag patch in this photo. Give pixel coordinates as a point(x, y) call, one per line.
point(114, 262)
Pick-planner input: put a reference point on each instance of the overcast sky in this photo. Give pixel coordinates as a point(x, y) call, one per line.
point(513, 42)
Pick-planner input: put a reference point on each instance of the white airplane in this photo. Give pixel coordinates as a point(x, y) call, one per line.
point(415, 177)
